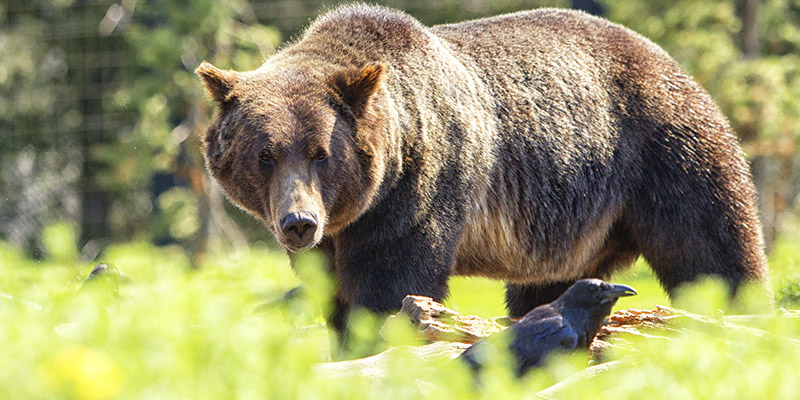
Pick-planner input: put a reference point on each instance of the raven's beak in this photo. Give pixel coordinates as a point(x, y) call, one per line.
point(618, 291)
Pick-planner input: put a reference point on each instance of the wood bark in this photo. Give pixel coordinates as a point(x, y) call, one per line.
point(450, 333)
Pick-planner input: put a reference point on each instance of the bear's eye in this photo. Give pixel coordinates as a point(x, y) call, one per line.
point(265, 158)
point(320, 156)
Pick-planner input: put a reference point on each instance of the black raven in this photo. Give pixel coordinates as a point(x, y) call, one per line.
point(568, 323)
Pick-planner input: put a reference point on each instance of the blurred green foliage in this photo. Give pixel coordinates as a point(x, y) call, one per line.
point(60, 242)
point(174, 332)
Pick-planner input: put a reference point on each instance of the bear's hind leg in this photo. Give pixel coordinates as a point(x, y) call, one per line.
point(695, 214)
point(521, 298)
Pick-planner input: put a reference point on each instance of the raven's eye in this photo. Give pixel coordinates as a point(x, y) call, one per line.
point(265, 158)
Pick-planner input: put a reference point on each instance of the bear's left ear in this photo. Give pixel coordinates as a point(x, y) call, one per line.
point(357, 85)
point(219, 83)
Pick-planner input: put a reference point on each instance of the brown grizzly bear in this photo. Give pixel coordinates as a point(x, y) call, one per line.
point(537, 148)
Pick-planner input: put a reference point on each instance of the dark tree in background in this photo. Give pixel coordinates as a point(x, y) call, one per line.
point(749, 38)
point(590, 6)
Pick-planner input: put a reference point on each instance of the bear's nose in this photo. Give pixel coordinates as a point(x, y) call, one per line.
point(299, 227)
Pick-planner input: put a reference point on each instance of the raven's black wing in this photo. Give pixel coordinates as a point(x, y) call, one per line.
point(476, 355)
point(541, 331)
point(538, 334)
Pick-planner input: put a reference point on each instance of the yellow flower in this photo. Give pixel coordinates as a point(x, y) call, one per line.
point(86, 373)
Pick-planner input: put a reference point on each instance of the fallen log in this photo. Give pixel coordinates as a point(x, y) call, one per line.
point(374, 367)
point(450, 333)
point(435, 322)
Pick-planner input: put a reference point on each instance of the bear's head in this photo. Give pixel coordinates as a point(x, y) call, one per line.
point(301, 150)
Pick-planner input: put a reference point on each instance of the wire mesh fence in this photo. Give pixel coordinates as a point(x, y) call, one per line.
point(59, 74)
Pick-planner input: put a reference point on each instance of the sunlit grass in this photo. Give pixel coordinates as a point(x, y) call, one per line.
point(485, 297)
point(648, 289)
point(477, 296)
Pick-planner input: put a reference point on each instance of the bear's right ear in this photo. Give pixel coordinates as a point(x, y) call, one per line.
point(219, 83)
point(357, 85)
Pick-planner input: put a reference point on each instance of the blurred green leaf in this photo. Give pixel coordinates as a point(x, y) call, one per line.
point(60, 241)
point(175, 332)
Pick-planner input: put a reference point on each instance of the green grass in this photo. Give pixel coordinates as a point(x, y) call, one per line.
point(484, 297)
point(174, 333)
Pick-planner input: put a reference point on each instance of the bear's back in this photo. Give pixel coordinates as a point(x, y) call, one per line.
point(550, 33)
point(555, 53)
point(363, 33)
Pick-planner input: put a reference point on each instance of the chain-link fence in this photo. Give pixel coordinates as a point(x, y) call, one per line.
point(58, 73)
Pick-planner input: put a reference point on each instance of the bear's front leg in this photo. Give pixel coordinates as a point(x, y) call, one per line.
point(377, 274)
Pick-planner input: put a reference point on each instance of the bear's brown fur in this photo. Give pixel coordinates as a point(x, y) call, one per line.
point(537, 148)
